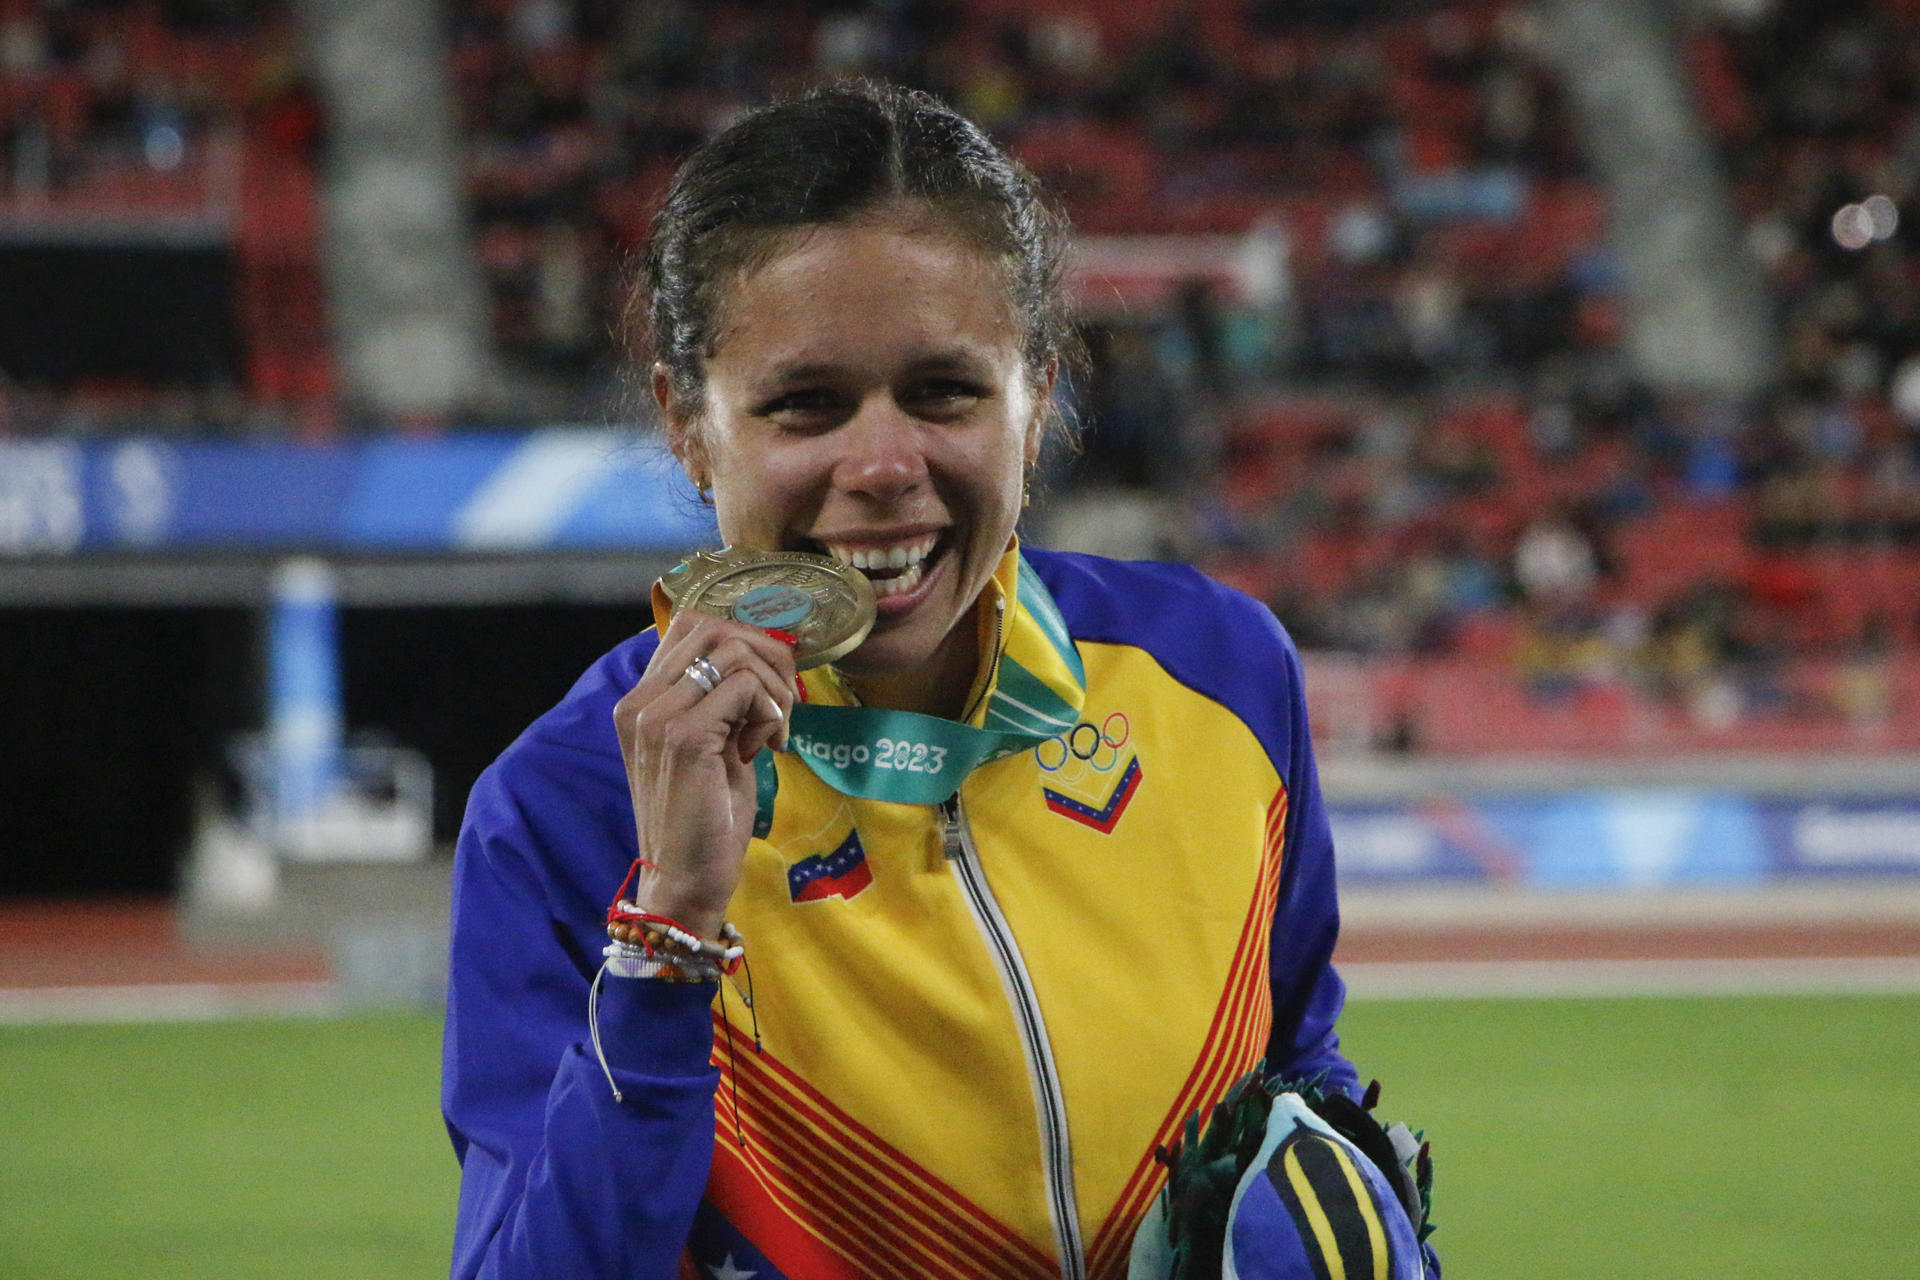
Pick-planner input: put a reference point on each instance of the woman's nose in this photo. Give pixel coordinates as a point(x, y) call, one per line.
point(882, 456)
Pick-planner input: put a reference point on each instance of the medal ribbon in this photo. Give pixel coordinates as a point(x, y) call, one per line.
point(910, 758)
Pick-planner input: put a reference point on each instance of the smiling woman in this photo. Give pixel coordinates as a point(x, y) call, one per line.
point(987, 990)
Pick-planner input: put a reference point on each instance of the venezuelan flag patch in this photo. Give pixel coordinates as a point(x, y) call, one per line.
point(843, 873)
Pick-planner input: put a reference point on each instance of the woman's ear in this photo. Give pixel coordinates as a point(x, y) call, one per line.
point(682, 437)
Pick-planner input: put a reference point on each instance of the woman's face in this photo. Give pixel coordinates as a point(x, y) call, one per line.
point(867, 397)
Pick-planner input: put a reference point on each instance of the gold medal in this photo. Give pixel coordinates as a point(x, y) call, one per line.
point(827, 605)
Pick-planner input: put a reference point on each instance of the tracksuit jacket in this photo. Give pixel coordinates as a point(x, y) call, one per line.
point(977, 1021)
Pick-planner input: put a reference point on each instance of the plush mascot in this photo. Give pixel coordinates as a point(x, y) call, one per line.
point(1290, 1182)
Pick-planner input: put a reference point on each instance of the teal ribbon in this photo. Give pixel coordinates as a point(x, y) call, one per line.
point(766, 786)
point(901, 756)
point(910, 758)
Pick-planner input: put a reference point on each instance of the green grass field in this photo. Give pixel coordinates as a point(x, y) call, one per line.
point(1744, 1138)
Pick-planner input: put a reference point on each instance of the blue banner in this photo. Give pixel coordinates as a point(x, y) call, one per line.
point(579, 489)
point(1626, 839)
point(1844, 837)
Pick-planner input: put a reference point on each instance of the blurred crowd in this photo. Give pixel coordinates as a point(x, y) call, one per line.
point(1381, 120)
point(110, 98)
point(1403, 413)
point(136, 123)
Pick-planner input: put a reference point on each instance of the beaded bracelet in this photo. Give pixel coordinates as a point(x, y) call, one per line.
point(647, 933)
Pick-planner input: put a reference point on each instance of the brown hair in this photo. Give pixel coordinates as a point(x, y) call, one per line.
point(830, 157)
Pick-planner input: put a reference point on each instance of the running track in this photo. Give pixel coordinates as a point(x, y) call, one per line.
point(131, 959)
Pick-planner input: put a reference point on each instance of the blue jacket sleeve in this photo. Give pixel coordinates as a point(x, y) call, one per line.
point(558, 1180)
point(1307, 993)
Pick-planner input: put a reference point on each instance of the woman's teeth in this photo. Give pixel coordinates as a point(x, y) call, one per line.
point(884, 587)
point(892, 570)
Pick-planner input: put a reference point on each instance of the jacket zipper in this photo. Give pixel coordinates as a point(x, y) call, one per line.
point(1056, 1151)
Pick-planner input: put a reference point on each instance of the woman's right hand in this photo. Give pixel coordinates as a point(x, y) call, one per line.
point(689, 756)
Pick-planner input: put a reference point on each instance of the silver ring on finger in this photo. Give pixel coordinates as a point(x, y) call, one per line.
point(704, 674)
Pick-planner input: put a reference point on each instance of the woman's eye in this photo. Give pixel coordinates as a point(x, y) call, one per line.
point(944, 398)
point(804, 409)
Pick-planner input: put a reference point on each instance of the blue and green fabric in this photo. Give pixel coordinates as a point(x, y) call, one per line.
point(1307, 1203)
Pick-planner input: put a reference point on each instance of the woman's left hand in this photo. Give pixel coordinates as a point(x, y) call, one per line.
point(714, 695)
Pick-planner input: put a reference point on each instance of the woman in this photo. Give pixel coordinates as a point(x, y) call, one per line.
point(983, 1002)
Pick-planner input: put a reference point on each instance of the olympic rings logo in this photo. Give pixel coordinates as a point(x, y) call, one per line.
point(1092, 747)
